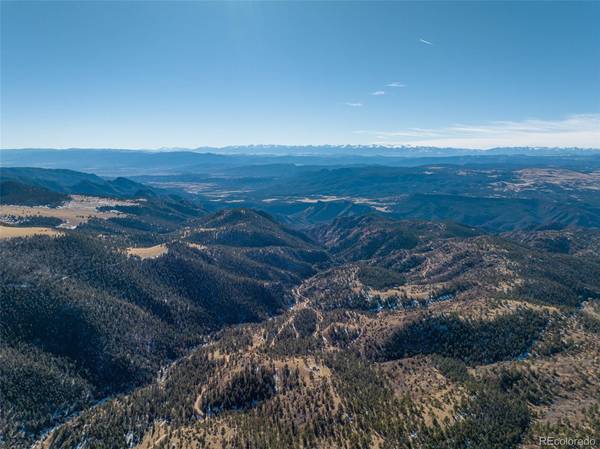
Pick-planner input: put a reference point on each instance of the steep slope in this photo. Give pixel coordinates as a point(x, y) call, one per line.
point(305, 215)
point(469, 349)
point(389, 263)
point(367, 236)
point(316, 378)
point(245, 227)
point(14, 192)
point(80, 314)
point(579, 242)
point(73, 182)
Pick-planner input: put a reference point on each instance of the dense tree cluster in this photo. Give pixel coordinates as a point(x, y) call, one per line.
point(88, 321)
point(14, 192)
point(246, 388)
point(472, 341)
point(380, 278)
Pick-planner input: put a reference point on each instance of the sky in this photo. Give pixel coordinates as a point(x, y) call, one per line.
point(153, 74)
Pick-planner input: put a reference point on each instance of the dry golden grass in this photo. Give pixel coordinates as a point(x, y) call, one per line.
point(535, 177)
point(73, 213)
point(150, 252)
point(196, 246)
point(7, 232)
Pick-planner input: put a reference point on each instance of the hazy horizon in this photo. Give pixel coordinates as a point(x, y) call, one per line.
point(292, 148)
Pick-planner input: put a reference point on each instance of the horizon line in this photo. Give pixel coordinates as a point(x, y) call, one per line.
point(350, 146)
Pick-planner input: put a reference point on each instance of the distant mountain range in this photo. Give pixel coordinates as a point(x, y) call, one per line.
point(215, 161)
point(387, 150)
point(362, 150)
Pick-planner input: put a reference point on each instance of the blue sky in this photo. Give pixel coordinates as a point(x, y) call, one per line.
point(153, 74)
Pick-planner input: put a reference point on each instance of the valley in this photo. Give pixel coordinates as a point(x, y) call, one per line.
point(147, 317)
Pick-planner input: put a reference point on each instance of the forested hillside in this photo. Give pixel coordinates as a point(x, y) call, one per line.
point(82, 317)
point(151, 322)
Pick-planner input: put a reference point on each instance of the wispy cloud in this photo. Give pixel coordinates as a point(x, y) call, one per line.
point(354, 104)
point(395, 84)
point(378, 93)
point(423, 41)
point(580, 130)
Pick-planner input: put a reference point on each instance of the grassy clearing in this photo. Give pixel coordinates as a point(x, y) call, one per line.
point(7, 232)
point(149, 252)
